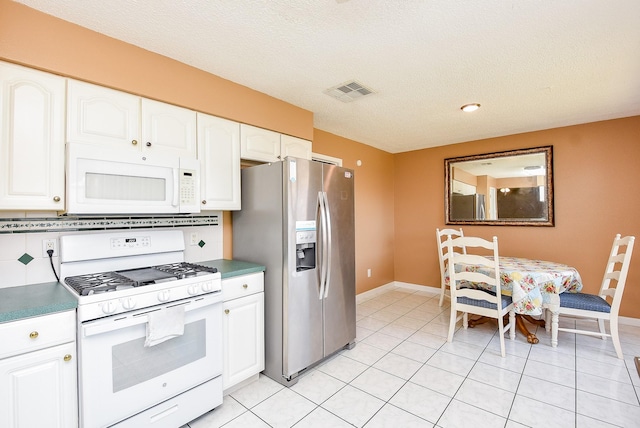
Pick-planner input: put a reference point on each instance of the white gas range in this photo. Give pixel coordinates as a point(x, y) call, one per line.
point(149, 328)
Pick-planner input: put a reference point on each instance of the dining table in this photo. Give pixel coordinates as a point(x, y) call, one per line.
point(534, 286)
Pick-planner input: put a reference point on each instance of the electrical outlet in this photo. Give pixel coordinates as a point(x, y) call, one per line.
point(368, 273)
point(194, 238)
point(49, 244)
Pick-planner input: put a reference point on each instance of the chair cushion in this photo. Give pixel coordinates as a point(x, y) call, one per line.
point(584, 301)
point(506, 301)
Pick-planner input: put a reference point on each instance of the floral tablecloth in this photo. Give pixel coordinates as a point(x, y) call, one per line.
point(530, 282)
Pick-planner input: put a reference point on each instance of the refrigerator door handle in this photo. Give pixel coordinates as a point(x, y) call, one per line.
point(321, 254)
point(327, 241)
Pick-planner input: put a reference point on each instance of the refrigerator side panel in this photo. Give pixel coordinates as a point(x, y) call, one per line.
point(257, 237)
point(302, 324)
point(340, 303)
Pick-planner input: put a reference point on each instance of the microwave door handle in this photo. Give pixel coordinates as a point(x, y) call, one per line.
point(176, 187)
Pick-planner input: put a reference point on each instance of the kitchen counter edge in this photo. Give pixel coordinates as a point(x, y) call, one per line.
point(231, 268)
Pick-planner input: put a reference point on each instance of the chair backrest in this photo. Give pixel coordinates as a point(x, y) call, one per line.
point(615, 274)
point(441, 239)
point(484, 270)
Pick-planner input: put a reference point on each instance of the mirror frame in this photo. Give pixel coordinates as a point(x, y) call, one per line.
point(448, 178)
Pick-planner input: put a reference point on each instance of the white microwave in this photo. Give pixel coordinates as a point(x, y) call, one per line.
point(108, 181)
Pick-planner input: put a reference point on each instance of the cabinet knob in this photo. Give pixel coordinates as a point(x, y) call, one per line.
point(67, 357)
point(204, 202)
point(226, 311)
point(134, 142)
point(148, 143)
point(33, 335)
point(245, 286)
point(56, 199)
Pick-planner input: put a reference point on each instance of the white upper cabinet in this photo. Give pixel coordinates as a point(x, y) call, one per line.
point(98, 115)
point(219, 155)
point(259, 144)
point(294, 147)
point(168, 129)
point(31, 139)
point(262, 145)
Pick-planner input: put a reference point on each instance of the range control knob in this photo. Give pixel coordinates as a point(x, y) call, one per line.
point(109, 307)
point(207, 286)
point(193, 289)
point(164, 295)
point(128, 303)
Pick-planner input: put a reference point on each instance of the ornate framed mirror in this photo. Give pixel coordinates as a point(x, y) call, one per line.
point(511, 188)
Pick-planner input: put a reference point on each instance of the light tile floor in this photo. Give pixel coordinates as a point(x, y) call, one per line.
point(402, 373)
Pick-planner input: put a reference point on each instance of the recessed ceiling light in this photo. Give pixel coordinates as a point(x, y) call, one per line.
point(470, 107)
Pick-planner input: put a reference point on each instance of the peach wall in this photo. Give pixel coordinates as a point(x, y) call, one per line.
point(596, 178)
point(41, 41)
point(374, 206)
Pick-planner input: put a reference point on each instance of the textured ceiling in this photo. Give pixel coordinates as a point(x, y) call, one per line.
point(531, 64)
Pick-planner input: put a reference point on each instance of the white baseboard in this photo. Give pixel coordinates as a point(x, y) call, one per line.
point(369, 294)
point(363, 297)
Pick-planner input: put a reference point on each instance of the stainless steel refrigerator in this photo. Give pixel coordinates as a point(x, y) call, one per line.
point(467, 207)
point(297, 219)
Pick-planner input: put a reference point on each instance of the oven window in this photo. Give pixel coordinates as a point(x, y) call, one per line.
point(134, 364)
point(124, 187)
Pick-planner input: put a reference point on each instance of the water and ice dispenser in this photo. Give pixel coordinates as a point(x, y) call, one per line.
point(305, 245)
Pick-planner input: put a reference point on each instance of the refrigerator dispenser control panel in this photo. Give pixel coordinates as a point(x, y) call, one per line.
point(305, 232)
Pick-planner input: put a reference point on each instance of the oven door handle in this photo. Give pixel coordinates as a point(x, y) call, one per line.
point(108, 325)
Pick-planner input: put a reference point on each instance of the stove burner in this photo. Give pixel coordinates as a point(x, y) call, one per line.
point(94, 283)
point(185, 270)
point(104, 282)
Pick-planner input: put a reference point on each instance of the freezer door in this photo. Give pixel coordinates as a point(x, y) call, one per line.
point(302, 304)
point(340, 290)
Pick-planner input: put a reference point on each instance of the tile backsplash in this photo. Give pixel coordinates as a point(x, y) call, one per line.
point(21, 240)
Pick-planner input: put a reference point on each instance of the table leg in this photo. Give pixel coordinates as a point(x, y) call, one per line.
point(532, 320)
point(531, 338)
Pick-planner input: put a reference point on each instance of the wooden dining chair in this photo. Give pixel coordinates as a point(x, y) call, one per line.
point(477, 291)
point(441, 239)
point(606, 304)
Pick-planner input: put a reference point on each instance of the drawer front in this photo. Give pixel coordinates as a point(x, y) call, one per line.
point(35, 333)
point(244, 285)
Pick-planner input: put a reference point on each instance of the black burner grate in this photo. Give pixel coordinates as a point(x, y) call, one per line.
point(102, 282)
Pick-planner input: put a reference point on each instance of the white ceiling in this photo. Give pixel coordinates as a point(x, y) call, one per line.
point(531, 64)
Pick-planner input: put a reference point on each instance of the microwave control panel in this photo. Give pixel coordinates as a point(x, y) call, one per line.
point(187, 187)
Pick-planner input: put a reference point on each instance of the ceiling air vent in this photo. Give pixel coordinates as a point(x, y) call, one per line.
point(349, 91)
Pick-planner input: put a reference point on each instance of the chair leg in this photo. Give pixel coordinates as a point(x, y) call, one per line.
point(452, 324)
point(547, 320)
point(501, 333)
point(512, 325)
point(442, 289)
point(601, 328)
point(613, 326)
point(465, 320)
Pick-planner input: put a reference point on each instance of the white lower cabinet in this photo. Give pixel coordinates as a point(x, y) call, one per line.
point(38, 380)
point(243, 328)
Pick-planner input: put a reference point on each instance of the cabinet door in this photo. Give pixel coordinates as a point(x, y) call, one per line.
point(98, 115)
point(219, 155)
point(38, 389)
point(294, 147)
point(31, 139)
point(168, 129)
point(259, 144)
point(243, 333)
